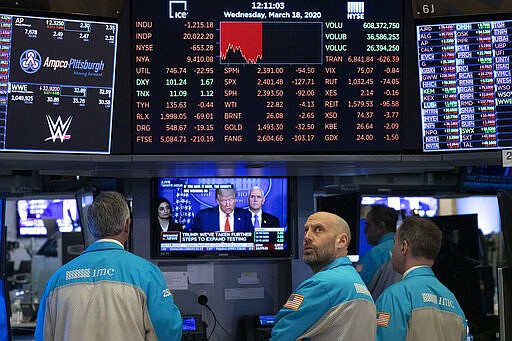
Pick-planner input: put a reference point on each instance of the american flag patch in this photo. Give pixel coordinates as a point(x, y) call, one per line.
point(294, 301)
point(383, 319)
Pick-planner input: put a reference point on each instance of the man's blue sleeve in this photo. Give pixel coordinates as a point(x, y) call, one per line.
point(392, 317)
point(314, 303)
point(164, 314)
point(369, 267)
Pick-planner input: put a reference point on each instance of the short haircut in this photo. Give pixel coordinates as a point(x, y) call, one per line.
point(107, 215)
point(385, 214)
point(254, 188)
point(423, 235)
point(225, 192)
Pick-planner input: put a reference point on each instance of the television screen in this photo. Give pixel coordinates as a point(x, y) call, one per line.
point(43, 216)
point(419, 206)
point(4, 312)
point(215, 217)
point(58, 78)
point(465, 83)
point(259, 77)
point(4, 297)
point(3, 240)
point(485, 178)
point(84, 200)
point(406, 206)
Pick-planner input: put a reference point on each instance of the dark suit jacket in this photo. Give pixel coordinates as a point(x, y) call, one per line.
point(269, 220)
point(207, 220)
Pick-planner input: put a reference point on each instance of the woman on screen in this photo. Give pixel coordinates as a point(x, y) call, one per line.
point(164, 214)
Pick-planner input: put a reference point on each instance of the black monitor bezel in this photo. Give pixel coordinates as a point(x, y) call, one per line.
point(290, 237)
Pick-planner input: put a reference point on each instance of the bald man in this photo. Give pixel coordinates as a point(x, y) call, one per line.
point(334, 303)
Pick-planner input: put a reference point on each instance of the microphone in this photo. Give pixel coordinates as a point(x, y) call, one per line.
point(202, 300)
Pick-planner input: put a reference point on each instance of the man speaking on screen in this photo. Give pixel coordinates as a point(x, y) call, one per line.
point(225, 217)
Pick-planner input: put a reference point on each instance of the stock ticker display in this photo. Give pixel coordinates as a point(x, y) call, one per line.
point(258, 77)
point(466, 85)
point(56, 84)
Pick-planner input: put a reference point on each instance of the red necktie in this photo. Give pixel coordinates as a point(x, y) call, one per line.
point(227, 228)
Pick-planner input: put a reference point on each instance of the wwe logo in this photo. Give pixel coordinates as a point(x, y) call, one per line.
point(58, 129)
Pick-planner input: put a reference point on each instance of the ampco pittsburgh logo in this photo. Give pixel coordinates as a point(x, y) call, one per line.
point(58, 129)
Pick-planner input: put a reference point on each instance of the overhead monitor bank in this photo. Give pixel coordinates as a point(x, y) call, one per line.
point(287, 77)
point(330, 77)
point(56, 81)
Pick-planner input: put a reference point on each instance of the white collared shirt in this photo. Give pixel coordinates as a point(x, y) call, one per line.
point(110, 240)
point(222, 220)
point(412, 268)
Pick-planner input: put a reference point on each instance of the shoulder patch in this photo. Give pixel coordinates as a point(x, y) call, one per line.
point(294, 301)
point(361, 289)
point(383, 319)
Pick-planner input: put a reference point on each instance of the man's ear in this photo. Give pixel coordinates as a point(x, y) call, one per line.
point(404, 247)
point(342, 241)
point(127, 225)
point(382, 225)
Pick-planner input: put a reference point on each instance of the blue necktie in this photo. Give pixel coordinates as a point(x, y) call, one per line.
point(256, 221)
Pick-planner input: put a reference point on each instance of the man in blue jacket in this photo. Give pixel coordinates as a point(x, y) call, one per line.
point(333, 304)
point(375, 267)
point(108, 293)
point(418, 307)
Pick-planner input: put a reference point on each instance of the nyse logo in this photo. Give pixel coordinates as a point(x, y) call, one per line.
point(58, 129)
point(178, 9)
point(355, 10)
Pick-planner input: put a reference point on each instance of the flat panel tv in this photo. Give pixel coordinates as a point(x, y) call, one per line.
point(57, 80)
point(45, 215)
point(3, 240)
point(197, 228)
point(406, 206)
point(258, 77)
point(423, 206)
point(4, 312)
point(465, 83)
point(4, 296)
point(84, 200)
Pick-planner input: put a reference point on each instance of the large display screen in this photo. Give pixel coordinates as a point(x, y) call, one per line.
point(56, 82)
point(41, 217)
point(288, 77)
point(465, 84)
point(189, 217)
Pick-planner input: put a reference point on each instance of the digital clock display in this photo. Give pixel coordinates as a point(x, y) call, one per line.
point(268, 5)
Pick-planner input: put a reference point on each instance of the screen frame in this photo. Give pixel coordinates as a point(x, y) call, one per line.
point(44, 196)
point(446, 20)
point(113, 143)
point(290, 235)
point(3, 239)
point(83, 201)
